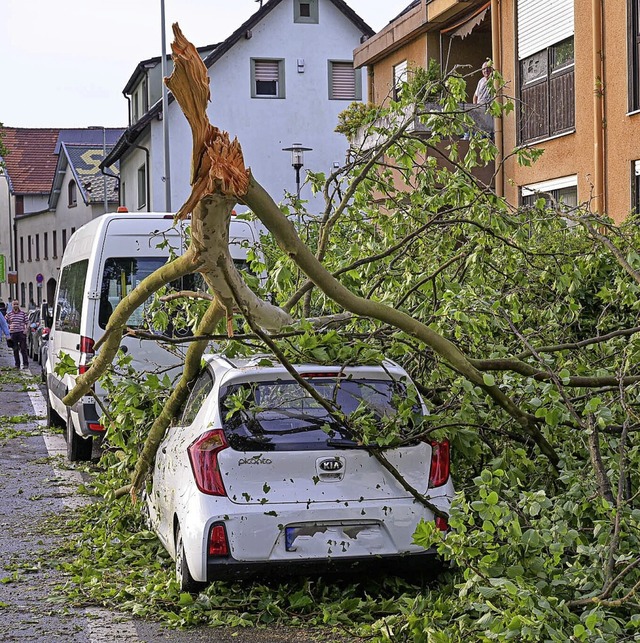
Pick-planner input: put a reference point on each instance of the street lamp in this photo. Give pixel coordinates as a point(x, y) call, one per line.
point(297, 161)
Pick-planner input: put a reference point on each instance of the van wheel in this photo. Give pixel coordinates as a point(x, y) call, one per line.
point(53, 419)
point(183, 575)
point(78, 449)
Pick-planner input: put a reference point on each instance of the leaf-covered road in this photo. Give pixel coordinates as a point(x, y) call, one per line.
point(37, 488)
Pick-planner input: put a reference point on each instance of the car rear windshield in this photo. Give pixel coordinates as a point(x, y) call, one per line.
point(281, 415)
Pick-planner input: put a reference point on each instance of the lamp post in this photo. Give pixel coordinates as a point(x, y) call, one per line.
point(297, 161)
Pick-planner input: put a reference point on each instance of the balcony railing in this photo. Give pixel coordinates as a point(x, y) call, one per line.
point(375, 134)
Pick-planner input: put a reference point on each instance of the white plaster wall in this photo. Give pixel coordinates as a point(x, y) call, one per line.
point(129, 165)
point(265, 126)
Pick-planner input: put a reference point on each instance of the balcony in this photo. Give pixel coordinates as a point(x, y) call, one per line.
point(375, 135)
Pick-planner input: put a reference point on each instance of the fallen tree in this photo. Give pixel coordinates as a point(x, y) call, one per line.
point(520, 330)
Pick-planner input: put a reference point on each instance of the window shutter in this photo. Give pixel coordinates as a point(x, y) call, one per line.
point(343, 81)
point(266, 70)
point(542, 24)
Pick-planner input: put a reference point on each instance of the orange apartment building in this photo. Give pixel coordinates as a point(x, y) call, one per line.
point(571, 66)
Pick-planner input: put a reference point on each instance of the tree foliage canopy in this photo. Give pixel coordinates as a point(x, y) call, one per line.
point(519, 325)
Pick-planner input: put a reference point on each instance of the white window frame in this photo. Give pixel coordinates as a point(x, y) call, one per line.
point(400, 76)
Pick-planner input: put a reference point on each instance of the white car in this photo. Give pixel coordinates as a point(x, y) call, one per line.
point(258, 476)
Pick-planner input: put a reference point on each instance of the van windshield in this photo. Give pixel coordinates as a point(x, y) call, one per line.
point(119, 278)
point(122, 274)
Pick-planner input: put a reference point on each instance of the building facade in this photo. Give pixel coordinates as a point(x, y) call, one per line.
point(281, 78)
point(572, 68)
point(52, 185)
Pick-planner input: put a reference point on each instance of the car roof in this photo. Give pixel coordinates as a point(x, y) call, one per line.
point(266, 366)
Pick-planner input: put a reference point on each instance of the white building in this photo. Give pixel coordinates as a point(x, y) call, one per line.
point(281, 78)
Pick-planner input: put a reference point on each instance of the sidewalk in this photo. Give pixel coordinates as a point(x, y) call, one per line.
point(6, 358)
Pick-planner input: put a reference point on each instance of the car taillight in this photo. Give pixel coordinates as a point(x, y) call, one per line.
point(86, 353)
point(439, 472)
point(441, 523)
point(95, 426)
point(203, 455)
point(218, 544)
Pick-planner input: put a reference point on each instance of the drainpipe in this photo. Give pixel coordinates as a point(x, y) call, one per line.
point(496, 55)
point(598, 106)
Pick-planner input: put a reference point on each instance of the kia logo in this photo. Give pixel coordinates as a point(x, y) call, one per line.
point(331, 465)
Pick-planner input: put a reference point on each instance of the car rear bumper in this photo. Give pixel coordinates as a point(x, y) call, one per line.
point(297, 537)
point(416, 563)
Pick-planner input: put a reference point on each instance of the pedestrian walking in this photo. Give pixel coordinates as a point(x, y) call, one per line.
point(4, 327)
point(18, 322)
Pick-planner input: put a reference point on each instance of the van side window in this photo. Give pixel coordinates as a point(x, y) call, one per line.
point(70, 296)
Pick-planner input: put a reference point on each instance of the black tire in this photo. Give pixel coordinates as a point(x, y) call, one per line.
point(53, 419)
point(183, 575)
point(78, 449)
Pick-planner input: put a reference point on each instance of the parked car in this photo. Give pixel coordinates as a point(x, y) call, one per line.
point(32, 330)
point(41, 336)
point(258, 476)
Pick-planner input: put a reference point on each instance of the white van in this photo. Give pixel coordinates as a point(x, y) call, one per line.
point(102, 263)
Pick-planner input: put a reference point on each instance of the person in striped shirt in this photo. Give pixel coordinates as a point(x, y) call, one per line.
point(18, 322)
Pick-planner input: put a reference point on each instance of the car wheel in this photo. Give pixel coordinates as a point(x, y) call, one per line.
point(78, 449)
point(53, 419)
point(183, 575)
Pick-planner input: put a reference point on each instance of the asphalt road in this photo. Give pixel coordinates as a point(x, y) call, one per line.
point(35, 488)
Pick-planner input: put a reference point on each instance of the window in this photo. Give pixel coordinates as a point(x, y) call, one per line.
point(64, 239)
point(399, 78)
point(280, 415)
point(198, 395)
point(29, 257)
point(546, 66)
point(561, 192)
point(54, 244)
point(119, 278)
point(142, 186)
point(344, 81)
point(633, 47)
point(45, 245)
point(73, 194)
point(547, 92)
point(305, 11)
point(70, 296)
point(635, 186)
point(30, 293)
point(37, 247)
point(21, 249)
point(267, 78)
